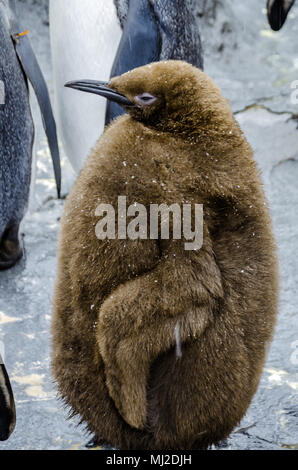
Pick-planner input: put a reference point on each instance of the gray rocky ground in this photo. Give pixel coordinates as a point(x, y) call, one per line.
point(255, 68)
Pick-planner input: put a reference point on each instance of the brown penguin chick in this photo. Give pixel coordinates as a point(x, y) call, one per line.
point(121, 306)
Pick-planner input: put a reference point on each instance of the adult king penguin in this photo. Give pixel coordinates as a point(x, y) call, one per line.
point(107, 38)
point(277, 11)
point(17, 64)
point(156, 347)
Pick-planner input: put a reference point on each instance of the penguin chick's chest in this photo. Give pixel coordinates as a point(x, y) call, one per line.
point(126, 170)
point(143, 164)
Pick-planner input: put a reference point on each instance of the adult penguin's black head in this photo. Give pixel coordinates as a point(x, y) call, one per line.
point(277, 11)
point(171, 96)
point(155, 30)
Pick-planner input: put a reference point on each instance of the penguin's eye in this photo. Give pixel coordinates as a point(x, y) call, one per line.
point(145, 99)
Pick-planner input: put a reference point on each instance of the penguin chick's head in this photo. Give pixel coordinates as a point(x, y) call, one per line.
point(170, 95)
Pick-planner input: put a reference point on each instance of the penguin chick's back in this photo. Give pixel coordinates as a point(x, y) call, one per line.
point(120, 304)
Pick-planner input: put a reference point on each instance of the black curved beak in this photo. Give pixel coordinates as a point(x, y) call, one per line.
point(102, 89)
point(277, 11)
point(7, 405)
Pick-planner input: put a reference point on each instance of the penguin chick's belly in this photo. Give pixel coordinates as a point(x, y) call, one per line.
point(154, 346)
point(16, 129)
point(84, 41)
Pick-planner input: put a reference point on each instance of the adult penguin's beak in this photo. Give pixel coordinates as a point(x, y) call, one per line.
point(7, 405)
point(277, 11)
point(102, 89)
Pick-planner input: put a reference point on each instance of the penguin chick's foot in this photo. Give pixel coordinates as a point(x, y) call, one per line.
point(11, 250)
point(97, 442)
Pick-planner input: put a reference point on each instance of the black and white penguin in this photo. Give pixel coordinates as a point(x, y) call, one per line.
point(7, 405)
point(277, 11)
point(107, 38)
point(17, 63)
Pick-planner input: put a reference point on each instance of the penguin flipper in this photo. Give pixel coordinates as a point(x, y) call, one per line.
point(33, 72)
point(7, 405)
point(277, 11)
point(135, 328)
point(140, 45)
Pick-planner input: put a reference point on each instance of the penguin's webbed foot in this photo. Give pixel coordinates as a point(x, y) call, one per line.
point(97, 442)
point(11, 250)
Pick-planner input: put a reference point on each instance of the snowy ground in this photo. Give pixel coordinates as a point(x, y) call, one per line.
point(255, 68)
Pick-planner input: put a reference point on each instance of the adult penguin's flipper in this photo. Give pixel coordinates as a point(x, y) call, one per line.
point(140, 45)
point(277, 11)
point(7, 405)
point(32, 71)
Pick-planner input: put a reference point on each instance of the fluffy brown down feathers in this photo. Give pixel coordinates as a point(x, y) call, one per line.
point(117, 302)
